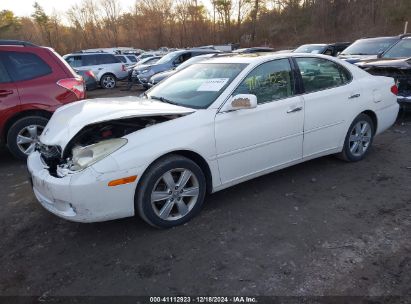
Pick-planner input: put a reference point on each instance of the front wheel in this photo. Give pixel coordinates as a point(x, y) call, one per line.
point(23, 135)
point(171, 192)
point(358, 139)
point(108, 81)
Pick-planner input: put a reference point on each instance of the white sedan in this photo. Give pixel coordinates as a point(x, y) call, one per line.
point(210, 126)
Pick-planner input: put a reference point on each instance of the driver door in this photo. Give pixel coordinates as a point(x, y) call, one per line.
point(255, 141)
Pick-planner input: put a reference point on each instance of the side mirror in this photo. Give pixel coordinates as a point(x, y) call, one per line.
point(240, 101)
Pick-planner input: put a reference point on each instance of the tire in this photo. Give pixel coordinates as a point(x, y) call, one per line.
point(170, 208)
point(25, 128)
point(359, 139)
point(108, 81)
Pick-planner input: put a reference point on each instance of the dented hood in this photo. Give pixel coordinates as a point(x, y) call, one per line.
point(68, 120)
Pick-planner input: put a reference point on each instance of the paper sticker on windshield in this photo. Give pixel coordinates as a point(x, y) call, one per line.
point(212, 85)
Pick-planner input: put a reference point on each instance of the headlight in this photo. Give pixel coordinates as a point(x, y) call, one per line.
point(84, 157)
point(145, 71)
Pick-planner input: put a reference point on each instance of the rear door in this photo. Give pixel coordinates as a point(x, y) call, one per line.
point(9, 96)
point(329, 98)
point(112, 64)
point(35, 75)
point(92, 63)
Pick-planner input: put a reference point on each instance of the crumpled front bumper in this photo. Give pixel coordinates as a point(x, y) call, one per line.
point(84, 196)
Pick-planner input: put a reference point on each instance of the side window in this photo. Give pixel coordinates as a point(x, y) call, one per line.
point(89, 60)
point(122, 59)
point(132, 58)
point(320, 74)
point(25, 66)
point(4, 75)
point(186, 56)
point(183, 57)
point(108, 59)
point(328, 52)
point(74, 61)
point(269, 81)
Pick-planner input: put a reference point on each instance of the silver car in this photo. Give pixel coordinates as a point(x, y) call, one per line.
point(106, 67)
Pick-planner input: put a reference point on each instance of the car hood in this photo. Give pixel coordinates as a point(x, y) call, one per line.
point(68, 120)
point(404, 63)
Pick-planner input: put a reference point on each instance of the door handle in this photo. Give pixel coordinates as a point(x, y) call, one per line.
point(4, 93)
point(354, 96)
point(293, 110)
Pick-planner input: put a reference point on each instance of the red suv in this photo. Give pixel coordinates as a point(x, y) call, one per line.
point(34, 82)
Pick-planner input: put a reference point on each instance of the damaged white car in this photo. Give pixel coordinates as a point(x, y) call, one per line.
point(208, 127)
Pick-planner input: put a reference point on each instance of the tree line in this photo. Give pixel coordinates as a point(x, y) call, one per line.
point(150, 24)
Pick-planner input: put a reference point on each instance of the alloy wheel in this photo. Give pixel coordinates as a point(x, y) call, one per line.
point(360, 138)
point(28, 137)
point(109, 82)
point(175, 194)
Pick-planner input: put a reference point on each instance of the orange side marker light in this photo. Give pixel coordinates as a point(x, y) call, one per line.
point(122, 181)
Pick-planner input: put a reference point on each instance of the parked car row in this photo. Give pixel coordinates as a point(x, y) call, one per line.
point(168, 62)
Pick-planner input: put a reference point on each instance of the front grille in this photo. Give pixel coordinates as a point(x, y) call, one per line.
point(402, 78)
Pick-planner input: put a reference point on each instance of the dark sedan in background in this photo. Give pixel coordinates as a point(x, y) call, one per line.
point(396, 63)
point(331, 49)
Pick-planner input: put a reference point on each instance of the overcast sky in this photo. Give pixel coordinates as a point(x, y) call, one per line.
point(25, 7)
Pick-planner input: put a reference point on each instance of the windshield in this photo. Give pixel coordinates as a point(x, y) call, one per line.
point(197, 86)
point(311, 48)
point(166, 58)
point(369, 46)
point(401, 50)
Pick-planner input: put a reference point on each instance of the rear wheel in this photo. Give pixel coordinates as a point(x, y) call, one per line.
point(359, 139)
point(23, 135)
point(108, 81)
point(171, 192)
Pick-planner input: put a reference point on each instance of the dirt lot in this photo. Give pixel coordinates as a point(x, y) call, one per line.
point(321, 228)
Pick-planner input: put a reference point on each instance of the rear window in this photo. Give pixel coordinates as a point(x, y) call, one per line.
point(25, 66)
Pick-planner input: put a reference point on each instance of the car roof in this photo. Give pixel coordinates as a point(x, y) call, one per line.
point(7, 42)
point(380, 38)
point(319, 44)
point(256, 58)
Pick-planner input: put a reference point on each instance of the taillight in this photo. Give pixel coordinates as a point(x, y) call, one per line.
point(123, 67)
point(75, 85)
point(90, 74)
point(394, 89)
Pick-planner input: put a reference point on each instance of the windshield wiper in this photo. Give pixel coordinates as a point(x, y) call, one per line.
point(165, 100)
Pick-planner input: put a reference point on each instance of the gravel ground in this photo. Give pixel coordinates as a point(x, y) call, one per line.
point(324, 227)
